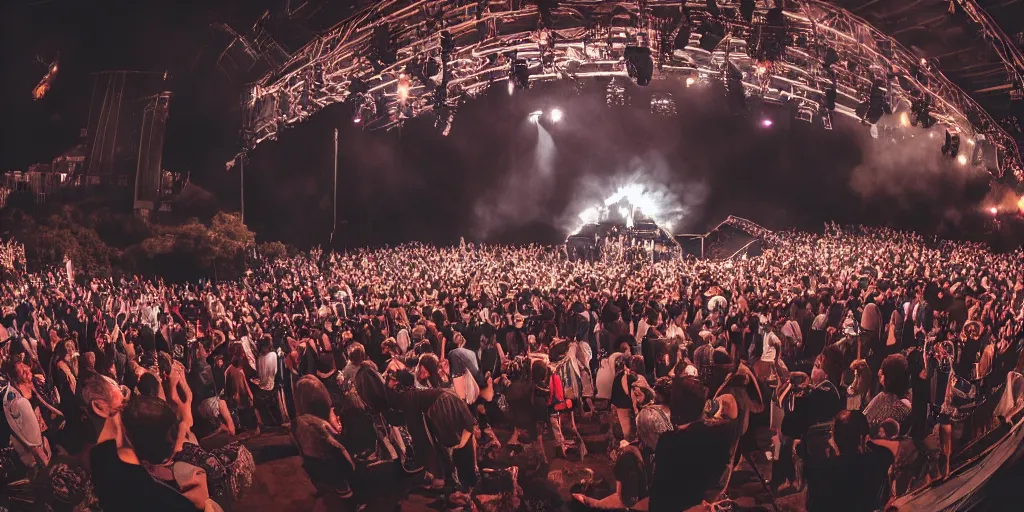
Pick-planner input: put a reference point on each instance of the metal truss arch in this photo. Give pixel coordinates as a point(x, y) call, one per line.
point(392, 57)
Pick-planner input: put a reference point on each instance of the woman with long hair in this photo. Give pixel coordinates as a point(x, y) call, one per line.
point(316, 433)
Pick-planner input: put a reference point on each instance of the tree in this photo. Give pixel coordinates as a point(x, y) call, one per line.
point(273, 250)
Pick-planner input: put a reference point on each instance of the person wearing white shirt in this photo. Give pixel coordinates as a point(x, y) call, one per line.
point(266, 373)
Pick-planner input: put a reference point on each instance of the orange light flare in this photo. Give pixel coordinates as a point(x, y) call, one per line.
point(40, 90)
point(403, 87)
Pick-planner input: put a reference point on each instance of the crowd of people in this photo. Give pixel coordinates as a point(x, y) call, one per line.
point(867, 355)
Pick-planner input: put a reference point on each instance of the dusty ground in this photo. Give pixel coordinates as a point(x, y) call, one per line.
point(281, 485)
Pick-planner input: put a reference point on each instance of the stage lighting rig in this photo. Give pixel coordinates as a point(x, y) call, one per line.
point(831, 57)
point(711, 34)
point(734, 84)
point(662, 104)
point(830, 97)
point(519, 73)
point(747, 10)
point(768, 40)
point(639, 65)
point(544, 7)
point(683, 37)
point(404, 86)
point(875, 106)
point(473, 43)
point(920, 110)
point(383, 51)
point(447, 45)
point(364, 108)
point(952, 146)
point(713, 9)
point(615, 94)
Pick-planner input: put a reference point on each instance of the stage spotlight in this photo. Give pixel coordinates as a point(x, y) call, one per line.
point(962, 159)
point(904, 119)
point(383, 49)
point(747, 10)
point(872, 109)
point(683, 37)
point(922, 114)
point(952, 146)
point(556, 115)
point(831, 57)
point(711, 34)
point(830, 98)
point(535, 116)
point(511, 87)
point(713, 9)
point(520, 73)
point(639, 64)
point(690, 81)
point(993, 210)
point(767, 123)
point(1020, 205)
point(734, 85)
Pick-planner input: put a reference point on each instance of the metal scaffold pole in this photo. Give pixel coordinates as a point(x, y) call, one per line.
point(335, 225)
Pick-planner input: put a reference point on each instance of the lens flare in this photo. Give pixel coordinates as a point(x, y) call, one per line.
point(403, 87)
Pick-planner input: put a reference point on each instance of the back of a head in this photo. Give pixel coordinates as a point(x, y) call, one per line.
point(539, 372)
point(266, 344)
point(896, 374)
point(151, 427)
point(95, 388)
point(149, 385)
point(356, 353)
point(325, 363)
point(147, 338)
point(662, 390)
point(687, 400)
point(849, 428)
point(312, 397)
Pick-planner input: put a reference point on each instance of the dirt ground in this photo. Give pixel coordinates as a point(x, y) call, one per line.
point(281, 485)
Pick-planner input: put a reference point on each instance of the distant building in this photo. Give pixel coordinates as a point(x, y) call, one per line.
point(70, 163)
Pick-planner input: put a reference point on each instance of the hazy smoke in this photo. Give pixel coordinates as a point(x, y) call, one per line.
point(523, 194)
point(897, 169)
point(667, 199)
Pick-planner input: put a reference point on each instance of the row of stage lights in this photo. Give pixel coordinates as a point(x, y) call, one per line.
point(555, 115)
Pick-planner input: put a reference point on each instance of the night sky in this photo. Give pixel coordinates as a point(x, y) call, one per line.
point(483, 181)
